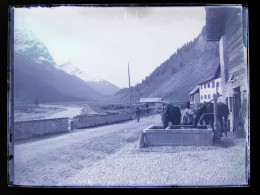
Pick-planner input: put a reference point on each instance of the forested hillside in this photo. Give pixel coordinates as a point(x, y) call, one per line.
point(173, 80)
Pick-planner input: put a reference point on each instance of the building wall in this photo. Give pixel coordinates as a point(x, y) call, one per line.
point(233, 62)
point(90, 121)
point(195, 100)
point(209, 91)
point(27, 129)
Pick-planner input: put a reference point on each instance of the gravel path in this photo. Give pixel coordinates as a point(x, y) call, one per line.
point(169, 166)
point(52, 160)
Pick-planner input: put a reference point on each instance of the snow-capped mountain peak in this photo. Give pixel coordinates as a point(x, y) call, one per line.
point(29, 45)
point(73, 70)
point(26, 43)
point(99, 85)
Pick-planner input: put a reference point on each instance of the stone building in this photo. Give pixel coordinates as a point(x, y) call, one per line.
point(228, 26)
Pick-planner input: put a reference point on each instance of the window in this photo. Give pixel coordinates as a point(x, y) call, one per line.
point(205, 86)
point(213, 84)
point(201, 97)
point(201, 86)
point(208, 85)
point(209, 96)
point(230, 104)
point(217, 84)
point(205, 96)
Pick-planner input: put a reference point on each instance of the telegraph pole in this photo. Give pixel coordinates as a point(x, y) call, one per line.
point(129, 90)
point(10, 103)
point(216, 130)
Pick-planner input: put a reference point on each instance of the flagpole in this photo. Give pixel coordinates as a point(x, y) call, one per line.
point(129, 89)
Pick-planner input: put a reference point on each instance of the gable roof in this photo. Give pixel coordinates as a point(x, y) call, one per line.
point(195, 90)
point(211, 78)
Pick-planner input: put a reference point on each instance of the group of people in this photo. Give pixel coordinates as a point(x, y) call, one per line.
point(187, 118)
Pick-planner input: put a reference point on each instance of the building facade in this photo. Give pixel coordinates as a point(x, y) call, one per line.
point(228, 26)
point(205, 91)
point(209, 88)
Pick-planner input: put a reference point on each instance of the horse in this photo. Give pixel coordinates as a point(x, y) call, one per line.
point(171, 114)
point(208, 107)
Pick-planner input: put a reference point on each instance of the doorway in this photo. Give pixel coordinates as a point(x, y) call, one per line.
point(236, 108)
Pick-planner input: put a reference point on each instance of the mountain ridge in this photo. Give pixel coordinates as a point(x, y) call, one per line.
point(102, 86)
point(173, 79)
point(33, 60)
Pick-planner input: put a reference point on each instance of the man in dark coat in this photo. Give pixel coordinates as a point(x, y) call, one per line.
point(137, 113)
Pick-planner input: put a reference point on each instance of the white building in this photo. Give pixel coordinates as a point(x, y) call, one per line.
point(208, 88)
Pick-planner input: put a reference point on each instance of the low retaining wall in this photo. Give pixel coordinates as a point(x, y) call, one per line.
point(157, 136)
point(79, 122)
point(26, 129)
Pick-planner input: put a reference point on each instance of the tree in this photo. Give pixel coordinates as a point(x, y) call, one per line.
point(173, 70)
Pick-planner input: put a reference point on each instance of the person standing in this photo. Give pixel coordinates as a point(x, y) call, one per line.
point(187, 118)
point(138, 113)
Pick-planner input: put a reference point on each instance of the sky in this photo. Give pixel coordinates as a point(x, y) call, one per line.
point(102, 41)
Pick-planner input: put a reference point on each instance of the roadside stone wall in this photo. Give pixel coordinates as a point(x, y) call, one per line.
point(94, 120)
point(26, 129)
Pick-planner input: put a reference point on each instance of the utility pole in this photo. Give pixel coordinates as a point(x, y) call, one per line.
point(10, 103)
point(216, 129)
point(129, 90)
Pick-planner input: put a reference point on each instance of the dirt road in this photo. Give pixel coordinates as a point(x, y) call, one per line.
point(54, 160)
point(108, 156)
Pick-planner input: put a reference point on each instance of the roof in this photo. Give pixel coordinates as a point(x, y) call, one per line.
point(195, 90)
point(211, 78)
point(215, 21)
point(150, 100)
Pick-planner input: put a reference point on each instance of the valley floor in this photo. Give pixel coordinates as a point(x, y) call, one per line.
point(47, 111)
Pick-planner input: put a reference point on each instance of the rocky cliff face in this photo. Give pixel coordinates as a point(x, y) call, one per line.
point(27, 44)
point(177, 76)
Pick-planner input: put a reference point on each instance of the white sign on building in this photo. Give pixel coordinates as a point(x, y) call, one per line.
point(150, 100)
